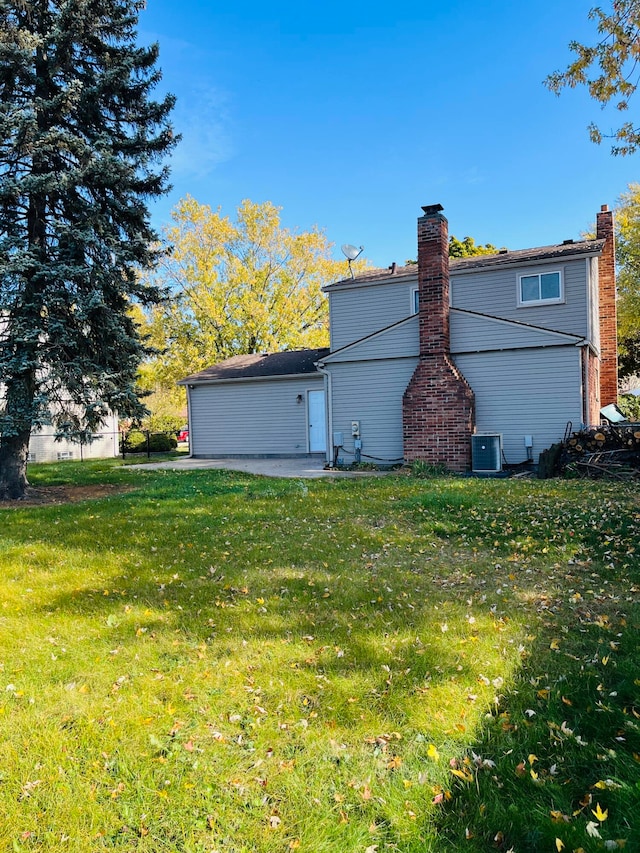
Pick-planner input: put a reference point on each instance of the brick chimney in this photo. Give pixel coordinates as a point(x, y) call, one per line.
point(438, 405)
point(607, 299)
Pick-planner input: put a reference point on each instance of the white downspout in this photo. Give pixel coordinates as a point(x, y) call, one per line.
point(328, 388)
point(584, 351)
point(190, 422)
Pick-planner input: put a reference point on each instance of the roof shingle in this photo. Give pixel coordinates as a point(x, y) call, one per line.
point(508, 258)
point(259, 365)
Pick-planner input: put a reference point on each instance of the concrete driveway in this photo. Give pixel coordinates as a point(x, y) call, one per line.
point(296, 467)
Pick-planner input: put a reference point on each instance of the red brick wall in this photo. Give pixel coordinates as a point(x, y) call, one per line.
point(438, 405)
point(608, 320)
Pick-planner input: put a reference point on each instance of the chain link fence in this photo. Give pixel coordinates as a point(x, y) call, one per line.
point(49, 447)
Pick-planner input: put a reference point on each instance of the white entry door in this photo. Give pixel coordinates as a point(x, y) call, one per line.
point(317, 420)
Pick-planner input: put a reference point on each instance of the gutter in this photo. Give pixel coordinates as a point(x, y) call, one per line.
point(189, 383)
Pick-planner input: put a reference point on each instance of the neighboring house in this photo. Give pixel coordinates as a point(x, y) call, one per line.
point(44, 447)
point(516, 346)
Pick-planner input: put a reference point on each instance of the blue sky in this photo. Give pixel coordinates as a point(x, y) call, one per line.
point(353, 116)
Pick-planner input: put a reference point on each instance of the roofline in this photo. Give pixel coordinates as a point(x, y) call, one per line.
point(499, 261)
point(384, 276)
point(365, 338)
point(191, 382)
point(510, 322)
point(576, 345)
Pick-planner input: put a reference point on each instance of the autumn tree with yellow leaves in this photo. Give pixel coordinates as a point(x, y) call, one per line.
point(237, 287)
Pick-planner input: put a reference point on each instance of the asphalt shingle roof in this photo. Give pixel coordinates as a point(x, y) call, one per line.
point(260, 365)
point(505, 258)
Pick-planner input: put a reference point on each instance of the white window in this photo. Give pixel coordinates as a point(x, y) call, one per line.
point(415, 301)
point(540, 288)
point(63, 455)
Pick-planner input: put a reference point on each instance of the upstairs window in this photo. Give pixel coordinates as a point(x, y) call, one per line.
point(415, 301)
point(540, 288)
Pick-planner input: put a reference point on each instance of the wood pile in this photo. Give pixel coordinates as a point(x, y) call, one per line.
point(609, 450)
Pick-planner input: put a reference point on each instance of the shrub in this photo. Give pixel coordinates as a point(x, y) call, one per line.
point(136, 442)
point(629, 405)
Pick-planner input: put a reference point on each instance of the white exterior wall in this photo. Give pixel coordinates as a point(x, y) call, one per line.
point(44, 448)
point(259, 417)
point(525, 392)
point(494, 291)
point(371, 392)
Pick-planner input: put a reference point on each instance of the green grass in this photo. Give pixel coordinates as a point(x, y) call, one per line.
point(218, 662)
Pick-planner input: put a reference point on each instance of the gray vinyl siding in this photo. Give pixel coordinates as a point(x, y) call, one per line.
point(474, 333)
point(371, 392)
point(399, 341)
point(495, 291)
point(251, 418)
point(358, 311)
point(526, 392)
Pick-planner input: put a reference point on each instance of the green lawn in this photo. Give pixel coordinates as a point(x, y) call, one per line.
point(218, 662)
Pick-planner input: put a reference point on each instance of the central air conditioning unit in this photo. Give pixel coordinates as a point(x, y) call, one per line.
point(486, 453)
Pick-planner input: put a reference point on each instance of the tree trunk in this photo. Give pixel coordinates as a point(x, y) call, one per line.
point(14, 443)
point(13, 465)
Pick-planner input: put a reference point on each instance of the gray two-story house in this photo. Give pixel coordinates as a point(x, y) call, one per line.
point(427, 360)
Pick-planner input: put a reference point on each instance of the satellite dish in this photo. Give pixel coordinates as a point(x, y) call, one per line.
point(351, 253)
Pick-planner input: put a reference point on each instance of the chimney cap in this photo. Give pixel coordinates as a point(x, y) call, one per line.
point(432, 209)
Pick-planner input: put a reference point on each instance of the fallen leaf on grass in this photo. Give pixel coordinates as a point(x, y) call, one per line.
point(28, 787)
point(465, 775)
point(606, 784)
point(599, 814)
point(592, 829)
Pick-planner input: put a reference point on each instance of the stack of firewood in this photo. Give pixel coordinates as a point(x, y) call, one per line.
point(611, 450)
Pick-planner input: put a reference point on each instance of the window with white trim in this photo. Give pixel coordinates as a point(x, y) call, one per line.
point(415, 300)
point(540, 288)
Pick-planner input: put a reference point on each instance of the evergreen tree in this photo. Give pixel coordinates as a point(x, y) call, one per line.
point(81, 145)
